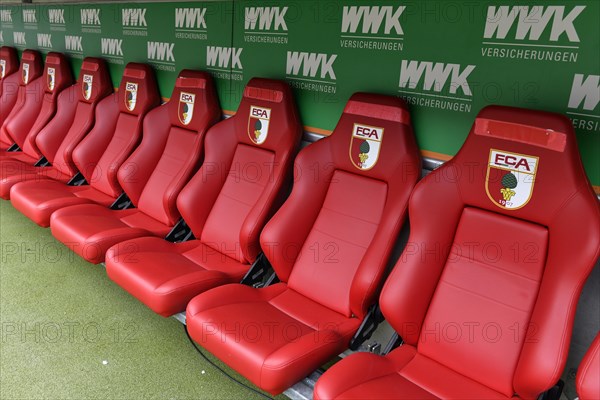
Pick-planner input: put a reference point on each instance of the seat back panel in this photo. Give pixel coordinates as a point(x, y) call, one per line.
point(250, 172)
point(117, 128)
point(30, 70)
point(171, 173)
point(105, 171)
point(56, 77)
point(84, 116)
point(483, 304)
point(339, 239)
point(45, 114)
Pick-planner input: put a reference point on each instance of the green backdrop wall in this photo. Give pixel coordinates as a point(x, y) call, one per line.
point(447, 58)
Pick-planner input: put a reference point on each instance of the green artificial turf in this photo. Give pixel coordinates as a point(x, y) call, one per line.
point(68, 332)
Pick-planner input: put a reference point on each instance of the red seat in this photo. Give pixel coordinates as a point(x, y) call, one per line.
point(116, 132)
point(502, 239)
point(226, 205)
point(28, 96)
point(56, 141)
point(329, 245)
point(152, 177)
point(588, 375)
point(9, 83)
point(35, 115)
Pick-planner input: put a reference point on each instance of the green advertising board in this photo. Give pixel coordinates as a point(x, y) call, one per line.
point(447, 59)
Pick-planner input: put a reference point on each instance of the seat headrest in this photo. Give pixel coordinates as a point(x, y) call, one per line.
point(138, 90)
point(57, 73)
point(373, 135)
point(31, 66)
point(524, 163)
point(267, 110)
point(94, 80)
point(193, 96)
point(9, 61)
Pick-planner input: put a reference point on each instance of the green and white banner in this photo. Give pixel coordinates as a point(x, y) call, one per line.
point(448, 59)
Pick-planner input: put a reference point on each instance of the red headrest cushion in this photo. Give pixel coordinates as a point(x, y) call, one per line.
point(94, 80)
point(57, 73)
point(31, 66)
point(9, 62)
point(193, 96)
point(138, 90)
point(524, 163)
point(267, 108)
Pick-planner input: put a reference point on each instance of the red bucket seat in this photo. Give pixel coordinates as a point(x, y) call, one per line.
point(226, 205)
point(329, 245)
point(9, 83)
point(116, 133)
point(152, 177)
point(503, 237)
point(56, 141)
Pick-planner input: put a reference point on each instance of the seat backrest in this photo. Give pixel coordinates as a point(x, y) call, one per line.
point(40, 106)
point(588, 374)
point(29, 71)
point(227, 203)
point(117, 129)
point(502, 239)
point(75, 115)
point(9, 80)
point(332, 238)
point(171, 146)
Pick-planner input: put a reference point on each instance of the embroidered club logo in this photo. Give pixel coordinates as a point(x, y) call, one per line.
point(25, 73)
point(510, 178)
point(186, 107)
point(130, 95)
point(365, 146)
point(258, 124)
point(87, 86)
point(2, 68)
point(51, 78)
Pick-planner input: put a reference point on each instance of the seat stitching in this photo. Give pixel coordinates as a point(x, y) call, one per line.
point(483, 263)
point(338, 238)
point(350, 216)
point(484, 296)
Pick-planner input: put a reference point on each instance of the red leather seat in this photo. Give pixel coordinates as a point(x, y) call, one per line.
point(117, 130)
point(588, 375)
point(28, 96)
point(56, 141)
point(502, 239)
point(35, 114)
point(329, 245)
point(9, 83)
point(152, 177)
point(226, 205)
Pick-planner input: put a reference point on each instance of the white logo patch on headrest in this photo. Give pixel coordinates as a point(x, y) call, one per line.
point(510, 178)
point(186, 107)
point(131, 95)
point(258, 124)
point(87, 86)
point(365, 146)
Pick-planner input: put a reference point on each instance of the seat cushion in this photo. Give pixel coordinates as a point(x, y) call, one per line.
point(166, 276)
point(14, 171)
point(39, 199)
point(274, 336)
point(402, 374)
point(91, 229)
